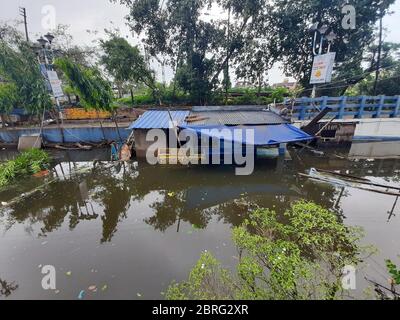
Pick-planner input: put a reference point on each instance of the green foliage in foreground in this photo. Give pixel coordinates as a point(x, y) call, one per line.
point(27, 163)
point(297, 256)
point(394, 271)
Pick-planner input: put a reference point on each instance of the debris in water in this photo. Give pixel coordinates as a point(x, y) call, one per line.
point(171, 194)
point(92, 288)
point(44, 243)
point(139, 295)
point(3, 203)
point(57, 291)
point(68, 273)
point(81, 294)
point(104, 288)
point(41, 174)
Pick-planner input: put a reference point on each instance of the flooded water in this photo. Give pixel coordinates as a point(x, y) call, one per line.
point(132, 229)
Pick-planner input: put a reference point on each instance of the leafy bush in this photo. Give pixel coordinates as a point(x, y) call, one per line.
point(394, 271)
point(27, 163)
point(300, 258)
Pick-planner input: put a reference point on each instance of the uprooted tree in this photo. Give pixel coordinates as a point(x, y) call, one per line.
point(21, 82)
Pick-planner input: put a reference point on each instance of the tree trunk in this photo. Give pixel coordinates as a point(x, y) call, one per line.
point(114, 113)
point(132, 98)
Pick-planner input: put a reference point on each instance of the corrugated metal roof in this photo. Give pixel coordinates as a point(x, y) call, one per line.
point(230, 108)
point(159, 119)
point(236, 118)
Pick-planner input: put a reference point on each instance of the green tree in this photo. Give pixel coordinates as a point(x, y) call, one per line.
point(289, 39)
point(256, 35)
point(198, 50)
point(126, 64)
point(94, 90)
point(19, 66)
point(8, 99)
point(389, 73)
point(297, 256)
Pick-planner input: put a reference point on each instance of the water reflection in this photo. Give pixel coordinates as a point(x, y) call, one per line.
point(192, 195)
point(6, 288)
point(157, 206)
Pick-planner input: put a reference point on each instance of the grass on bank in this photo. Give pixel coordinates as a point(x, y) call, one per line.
point(27, 163)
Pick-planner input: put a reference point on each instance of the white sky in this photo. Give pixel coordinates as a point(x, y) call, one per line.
point(84, 15)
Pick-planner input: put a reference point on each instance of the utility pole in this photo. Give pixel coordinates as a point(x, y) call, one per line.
point(378, 62)
point(22, 12)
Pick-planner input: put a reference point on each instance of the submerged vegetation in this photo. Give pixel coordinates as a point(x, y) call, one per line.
point(27, 163)
point(298, 256)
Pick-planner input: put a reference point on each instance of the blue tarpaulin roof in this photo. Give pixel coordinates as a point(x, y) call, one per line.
point(159, 119)
point(264, 135)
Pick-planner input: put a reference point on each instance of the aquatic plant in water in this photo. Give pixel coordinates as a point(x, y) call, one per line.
point(27, 163)
point(300, 258)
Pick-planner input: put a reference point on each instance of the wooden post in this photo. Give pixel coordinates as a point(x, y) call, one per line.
point(114, 113)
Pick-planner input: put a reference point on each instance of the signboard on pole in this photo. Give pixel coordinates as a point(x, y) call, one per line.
point(55, 84)
point(322, 68)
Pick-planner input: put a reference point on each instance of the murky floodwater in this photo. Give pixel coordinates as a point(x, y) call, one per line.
point(132, 229)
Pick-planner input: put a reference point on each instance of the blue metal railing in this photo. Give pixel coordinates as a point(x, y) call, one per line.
point(345, 107)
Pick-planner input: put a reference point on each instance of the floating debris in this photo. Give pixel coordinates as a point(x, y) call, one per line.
point(139, 295)
point(81, 295)
point(57, 291)
point(68, 273)
point(41, 174)
point(171, 194)
point(92, 288)
point(104, 288)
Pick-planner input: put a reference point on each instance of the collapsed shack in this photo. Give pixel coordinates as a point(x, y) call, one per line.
point(270, 130)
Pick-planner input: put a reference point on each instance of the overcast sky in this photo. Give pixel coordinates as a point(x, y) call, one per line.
point(84, 15)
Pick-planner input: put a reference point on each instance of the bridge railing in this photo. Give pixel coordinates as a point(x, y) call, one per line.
point(345, 107)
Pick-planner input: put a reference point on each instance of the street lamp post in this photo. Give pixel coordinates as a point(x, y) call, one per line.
point(322, 30)
point(45, 45)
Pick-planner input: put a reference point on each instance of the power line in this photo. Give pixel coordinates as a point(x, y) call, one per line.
point(329, 85)
point(346, 85)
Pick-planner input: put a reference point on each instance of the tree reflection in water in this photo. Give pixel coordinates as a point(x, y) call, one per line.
point(178, 194)
point(6, 288)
